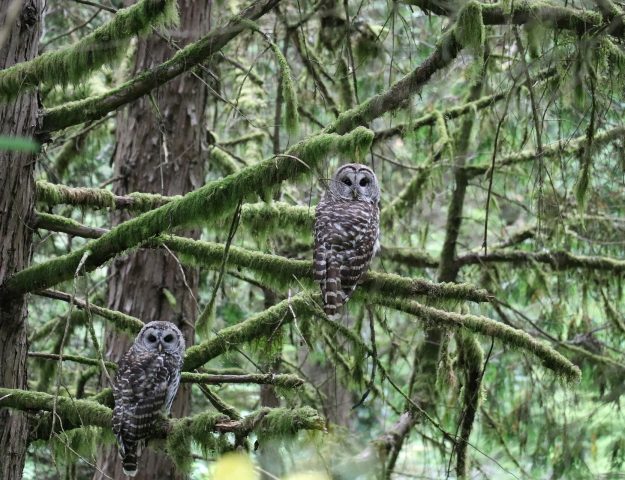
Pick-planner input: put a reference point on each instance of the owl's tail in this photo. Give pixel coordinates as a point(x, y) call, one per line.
point(333, 296)
point(129, 463)
point(130, 456)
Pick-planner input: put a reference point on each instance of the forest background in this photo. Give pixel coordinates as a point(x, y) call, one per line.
point(161, 161)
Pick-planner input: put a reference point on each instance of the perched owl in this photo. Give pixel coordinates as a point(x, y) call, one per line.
point(347, 227)
point(146, 383)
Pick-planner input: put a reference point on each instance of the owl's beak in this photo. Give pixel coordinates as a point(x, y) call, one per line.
point(160, 347)
point(355, 193)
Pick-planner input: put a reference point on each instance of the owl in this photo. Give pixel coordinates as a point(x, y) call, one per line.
point(146, 383)
point(347, 228)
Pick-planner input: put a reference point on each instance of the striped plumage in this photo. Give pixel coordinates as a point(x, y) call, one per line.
point(347, 229)
point(147, 380)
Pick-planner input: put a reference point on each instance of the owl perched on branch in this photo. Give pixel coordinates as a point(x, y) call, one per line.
point(145, 385)
point(347, 228)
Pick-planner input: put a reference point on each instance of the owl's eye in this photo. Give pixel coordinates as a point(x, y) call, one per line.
point(168, 338)
point(151, 338)
point(364, 182)
point(347, 182)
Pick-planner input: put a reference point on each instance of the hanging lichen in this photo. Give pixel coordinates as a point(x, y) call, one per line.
point(471, 34)
point(198, 429)
point(291, 114)
point(105, 45)
point(471, 359)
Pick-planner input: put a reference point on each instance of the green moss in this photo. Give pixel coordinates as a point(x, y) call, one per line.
point(73, 412)
point(143, 202)
point(222, 161)
point(471, 34)
point(444, 142)
point(511, 337)
point(70, 446)
point(408, 196)
point(471, 360)
point(207, 204)
point(104, 45)
point(199, 429)
point(291, 114)
point(54, 194)
point(263, 218)
point(344, 79)
point(284, 423)
point(259, 325)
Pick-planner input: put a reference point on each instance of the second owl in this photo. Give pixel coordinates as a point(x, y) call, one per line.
point(347, 229)
point(145, 385)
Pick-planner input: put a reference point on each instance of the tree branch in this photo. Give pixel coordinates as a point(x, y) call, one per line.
point(92, 108)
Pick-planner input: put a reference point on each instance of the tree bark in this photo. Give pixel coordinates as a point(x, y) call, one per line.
point(17, 198)
point(158, 151)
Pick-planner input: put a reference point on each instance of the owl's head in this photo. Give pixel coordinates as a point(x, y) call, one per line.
point(161, 337)
point(355, 181)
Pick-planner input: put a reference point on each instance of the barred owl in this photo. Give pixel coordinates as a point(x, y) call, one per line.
point(347, 227)
point(146, 383)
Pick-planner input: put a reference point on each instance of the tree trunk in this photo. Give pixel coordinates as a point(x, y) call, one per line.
point(17, 198)
point(158, 151)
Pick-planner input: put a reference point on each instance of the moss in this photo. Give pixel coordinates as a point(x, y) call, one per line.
point(207, 204)
point(511, 337)
point(259, 325)
point(70, 446)
point(199, 429)
point(262, 218)
point(283, 423)
point(222, 161)
point(54, 194)
point(408, 196)
point(470, 33)
point(106, 44)
point(443, 144)
point(344, 79)
point(279, 380)
point(143, 202)
point(291, 114)
point(282, 272)
point(73, 412)
point(471, 360)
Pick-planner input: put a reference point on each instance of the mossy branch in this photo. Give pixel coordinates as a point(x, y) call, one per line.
point(561, 147)
point(566, 18)
point(58, 223)
point(263, 324)
point(266, 423)
point(179, 432)
point(55, 194)
point(429, 119)
point(471, 358)
point(409, 195)
point(282, 271)
point(121, 321)
point(74, 413)
point(558, 260)
point(396, 96)
point(95, 107)
point(207, 204)
point(285, 380)
point(511, 337)
point(104, 45)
